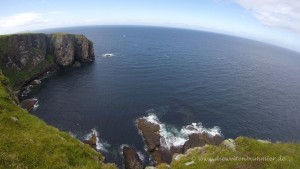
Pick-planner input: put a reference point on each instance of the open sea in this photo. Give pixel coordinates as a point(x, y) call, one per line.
point(233, 85)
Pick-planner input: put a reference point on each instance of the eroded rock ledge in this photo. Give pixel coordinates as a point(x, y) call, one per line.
point(26, 56)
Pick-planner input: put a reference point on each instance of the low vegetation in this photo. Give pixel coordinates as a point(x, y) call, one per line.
point(28, 142)
point(248, 153)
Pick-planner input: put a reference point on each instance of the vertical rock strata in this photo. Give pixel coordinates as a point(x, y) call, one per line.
point(25, 56)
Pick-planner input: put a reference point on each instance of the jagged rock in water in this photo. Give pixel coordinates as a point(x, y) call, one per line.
point(131, 158)
point(150, 133)
point(28, 104)
point(92, 141)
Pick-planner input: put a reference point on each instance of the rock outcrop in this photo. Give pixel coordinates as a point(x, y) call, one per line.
point(150, 133)
point(26, 56)
point(131, 158)
point(92, 141)
point(201, 139)
point(160, 154)
point(28, 104)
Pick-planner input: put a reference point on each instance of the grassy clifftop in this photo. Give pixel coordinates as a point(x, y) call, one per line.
point(246, 154)
point(28, 142)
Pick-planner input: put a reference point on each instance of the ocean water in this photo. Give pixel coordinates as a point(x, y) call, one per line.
point(182, 77)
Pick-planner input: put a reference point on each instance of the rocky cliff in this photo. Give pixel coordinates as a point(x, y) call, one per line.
point(25, 56)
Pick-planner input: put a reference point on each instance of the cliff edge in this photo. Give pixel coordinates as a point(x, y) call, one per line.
point(25, 56)
point(28, 142)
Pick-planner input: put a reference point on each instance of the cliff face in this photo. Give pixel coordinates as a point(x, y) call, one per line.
point(23, 56)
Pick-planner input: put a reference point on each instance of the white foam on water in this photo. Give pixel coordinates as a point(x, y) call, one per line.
point(36, 105)
point(171, 136)
point(108, 55)
point(121, 148)
point(198, 128)
point(46, 75)
point(101, 145)
point(72, 134)
point(141, 155)
point(27, 90)
point(152, 118)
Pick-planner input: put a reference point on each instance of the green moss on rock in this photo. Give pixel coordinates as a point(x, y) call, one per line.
point(25, 56)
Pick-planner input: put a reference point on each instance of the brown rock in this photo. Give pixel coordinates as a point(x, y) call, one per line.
point(162, 155)
point(131, 158)
point(150, 133)
point(92, 141)
point(28, 104)
point(200, 139)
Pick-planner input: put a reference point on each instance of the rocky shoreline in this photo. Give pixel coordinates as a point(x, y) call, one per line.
point(33, 56)
point(151, 133)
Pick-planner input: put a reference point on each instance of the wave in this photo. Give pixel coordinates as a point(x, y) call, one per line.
point(101, 145)
point(26, 90)
point(36, 105)
point(108, 55)
point(171, 136)
point(46, 75)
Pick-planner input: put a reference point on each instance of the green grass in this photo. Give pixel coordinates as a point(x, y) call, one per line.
point(287, 156)
point(31, 143)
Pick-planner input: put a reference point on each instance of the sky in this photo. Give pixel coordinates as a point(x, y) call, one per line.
point(272, 21)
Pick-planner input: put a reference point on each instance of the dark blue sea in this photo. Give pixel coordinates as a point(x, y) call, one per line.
point(240, 86)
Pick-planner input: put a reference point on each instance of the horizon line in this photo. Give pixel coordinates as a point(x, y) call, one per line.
point(159, 26)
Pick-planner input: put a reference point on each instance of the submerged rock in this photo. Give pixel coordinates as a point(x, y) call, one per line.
point(28, 104)
point(200, 139)
point(131, 158)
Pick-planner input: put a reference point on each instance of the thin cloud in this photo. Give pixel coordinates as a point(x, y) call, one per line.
point(284, 14)
point(55, 12)
point(20, 21)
